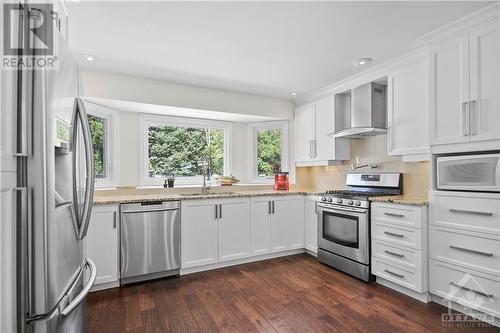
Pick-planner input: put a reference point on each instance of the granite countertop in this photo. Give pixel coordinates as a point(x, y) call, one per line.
point(143, 196)
point(402, 199)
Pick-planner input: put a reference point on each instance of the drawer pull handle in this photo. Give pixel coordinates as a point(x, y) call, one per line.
point(395, 274)
point(469, 289)
point(461, 211)
point(394, 254)
point(394, 215)
point(393, 234)
point(471, 251)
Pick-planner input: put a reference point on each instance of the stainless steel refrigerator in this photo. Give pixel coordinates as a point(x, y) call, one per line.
point(55, 189)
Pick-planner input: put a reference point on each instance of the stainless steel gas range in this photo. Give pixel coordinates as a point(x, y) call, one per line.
point(344, 221)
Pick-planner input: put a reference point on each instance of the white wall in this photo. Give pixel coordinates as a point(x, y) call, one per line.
point(140, 90)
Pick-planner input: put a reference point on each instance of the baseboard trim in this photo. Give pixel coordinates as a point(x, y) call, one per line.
point(422, 297)
point(311, 253)
point(190, 270)
point(460, 308)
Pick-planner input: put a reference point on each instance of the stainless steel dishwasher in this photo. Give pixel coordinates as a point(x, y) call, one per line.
point(150, 241)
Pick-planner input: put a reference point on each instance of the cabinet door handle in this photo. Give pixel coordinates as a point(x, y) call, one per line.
point(216, 211)
point(470, 289)
point(114, 220)
point(220, 211)
point(472, 212)
point(471, 251)
point(473, 118)
point(316, 207)
point(393, 234)
point(389, 137)
point(394, 215)
point(465, 122)
point(395, 274)
point(394, 254)
point(273, 206)
point(312, 148)
point(269, 207)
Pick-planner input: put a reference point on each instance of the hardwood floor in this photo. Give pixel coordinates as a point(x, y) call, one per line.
point(289, 294)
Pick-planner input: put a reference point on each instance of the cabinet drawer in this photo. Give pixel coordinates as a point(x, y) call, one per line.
point(397, 235)
point(478, 291)
point(397, 255)
point(465, 211)
point(404, 215)
point(405, 277)
point(462, 248)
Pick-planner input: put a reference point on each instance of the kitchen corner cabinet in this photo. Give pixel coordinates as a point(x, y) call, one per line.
point(465, 87)
point(296, 222)
point(311, 224)
point(101, 243)
point(408, 111)
point(313, 144)
point(214, 231)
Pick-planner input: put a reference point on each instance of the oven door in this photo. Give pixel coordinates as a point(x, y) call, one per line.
point(344, 231)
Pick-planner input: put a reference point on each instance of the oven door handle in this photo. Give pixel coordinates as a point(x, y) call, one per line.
point(342, 209)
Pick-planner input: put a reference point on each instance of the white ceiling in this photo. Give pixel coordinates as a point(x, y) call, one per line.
point(267, 48)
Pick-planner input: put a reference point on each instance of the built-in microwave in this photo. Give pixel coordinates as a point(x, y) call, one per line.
point(478, 173)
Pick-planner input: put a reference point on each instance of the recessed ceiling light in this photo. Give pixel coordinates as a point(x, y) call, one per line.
point(88, 57)
point(293, 93)
point(362, 61)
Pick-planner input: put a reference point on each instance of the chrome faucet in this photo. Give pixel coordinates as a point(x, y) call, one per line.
point(205, 187)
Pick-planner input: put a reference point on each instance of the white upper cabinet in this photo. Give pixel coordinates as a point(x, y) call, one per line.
point(465, 87)
point(408, 111)
point(313, 144)
point(450, 92)
point(485, 83)
point(304, 133)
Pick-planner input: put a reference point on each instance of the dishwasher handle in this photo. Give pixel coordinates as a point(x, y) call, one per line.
point(146, 207)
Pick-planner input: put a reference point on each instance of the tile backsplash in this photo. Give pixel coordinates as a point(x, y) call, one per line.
point(371, 150)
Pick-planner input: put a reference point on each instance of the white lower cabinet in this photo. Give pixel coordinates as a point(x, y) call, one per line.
point(198, 233)
point(277, 224)
point(234, 229)
point(464, 249)
point(311, 223)
point(101, 244)
point(214, 231)
point(399, 246)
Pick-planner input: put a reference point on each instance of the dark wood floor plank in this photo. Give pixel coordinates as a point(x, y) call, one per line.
point(289, 294)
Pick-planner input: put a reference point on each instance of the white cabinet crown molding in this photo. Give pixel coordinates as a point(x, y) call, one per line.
point(463, 25)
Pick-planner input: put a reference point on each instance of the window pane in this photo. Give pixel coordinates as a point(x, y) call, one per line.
point(268, 152)
point(98, 133)
point(181, 151)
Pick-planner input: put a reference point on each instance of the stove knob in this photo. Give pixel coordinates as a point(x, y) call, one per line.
point(349, 202)
point(357, 203)
point(329, 199)
point(339, 201)
point(323, 198)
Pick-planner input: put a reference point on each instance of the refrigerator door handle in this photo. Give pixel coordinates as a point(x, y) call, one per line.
point(81, 116)
point(81, 296)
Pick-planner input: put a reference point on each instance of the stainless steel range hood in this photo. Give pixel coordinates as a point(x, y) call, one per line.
point(366, 114)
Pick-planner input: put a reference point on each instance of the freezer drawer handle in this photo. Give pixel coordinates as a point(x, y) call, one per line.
point(393, 234)
point(81, 296)
point(461, 211)
point(469, 289)
point(394, 215)
point(395, 274)
point(471, 251)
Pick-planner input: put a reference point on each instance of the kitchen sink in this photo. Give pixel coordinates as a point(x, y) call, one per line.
point(205, 194)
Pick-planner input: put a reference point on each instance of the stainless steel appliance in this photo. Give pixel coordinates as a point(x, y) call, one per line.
point(344, 221)
point(478, 173)
point(55, 190)
point(150, 241)
point(366, 114)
